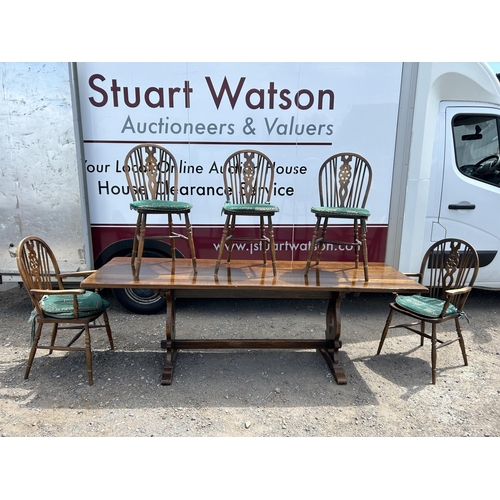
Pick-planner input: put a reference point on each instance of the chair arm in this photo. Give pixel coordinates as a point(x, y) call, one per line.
point(412, 275)
point(79, 274)
point(72, 291)
point(450, 294)
point(76, 274)
point(459, 291)
point(462, 293)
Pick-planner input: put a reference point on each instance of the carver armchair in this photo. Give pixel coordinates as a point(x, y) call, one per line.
point(344, 184)
point(248, 183)
point(152, 176)
point(62, 308)
point(449, 269)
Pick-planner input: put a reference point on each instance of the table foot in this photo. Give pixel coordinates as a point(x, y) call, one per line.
point(336, 369)
point(168, 368)
point(167, 375)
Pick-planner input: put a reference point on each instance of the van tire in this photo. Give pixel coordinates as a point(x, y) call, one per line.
point(139, 300)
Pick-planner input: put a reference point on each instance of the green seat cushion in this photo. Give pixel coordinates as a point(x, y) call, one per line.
point(250, 208)
point(161, 206)
point(61, 306)
point(425, 306)
point(348, 212)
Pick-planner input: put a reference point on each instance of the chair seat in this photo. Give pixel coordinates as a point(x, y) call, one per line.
point(250, 208)
point(61, 306)
point(425, 306)
point(347, 212)
point(161, 206)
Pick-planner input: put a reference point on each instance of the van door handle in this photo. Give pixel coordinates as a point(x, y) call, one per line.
point(462, 206)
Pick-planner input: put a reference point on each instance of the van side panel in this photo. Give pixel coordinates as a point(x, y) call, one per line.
point(39, 188)
point(298, 114)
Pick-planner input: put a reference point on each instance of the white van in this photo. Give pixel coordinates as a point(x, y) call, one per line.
point(429, 131)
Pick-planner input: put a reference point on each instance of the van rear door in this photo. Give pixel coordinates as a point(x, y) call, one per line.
point(470, 198)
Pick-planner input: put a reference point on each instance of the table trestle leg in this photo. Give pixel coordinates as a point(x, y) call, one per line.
point(332, 334)
point(168, 343)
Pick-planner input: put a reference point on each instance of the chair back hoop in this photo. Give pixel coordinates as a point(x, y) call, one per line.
point(449, 264)
point(38, 267)
point(151, 172)
point(344, 181)
point(248, 177)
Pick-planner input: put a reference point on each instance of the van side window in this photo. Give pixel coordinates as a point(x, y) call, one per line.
point(477, 150)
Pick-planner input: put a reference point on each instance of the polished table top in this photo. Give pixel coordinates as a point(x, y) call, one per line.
point(247, 276)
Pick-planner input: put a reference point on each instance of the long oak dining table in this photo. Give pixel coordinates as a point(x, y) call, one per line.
point(330, 281)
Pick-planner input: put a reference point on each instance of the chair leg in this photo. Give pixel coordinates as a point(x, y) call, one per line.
point(231, 236)
point(108, 330)
point(434, 352)
point(271, 242)
point(422, 329)
point(136, 238)
point(189, 231)
point(222, 243)
point(262, 240)
point(88, 353)
point(142, 235)
point(33, 349)
point(321, 240)
point(53, 336)
point(313, 244)
point(461, 341)
point(172, 240)
point(356, 243)
point(364, 248)
point(386, 329)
